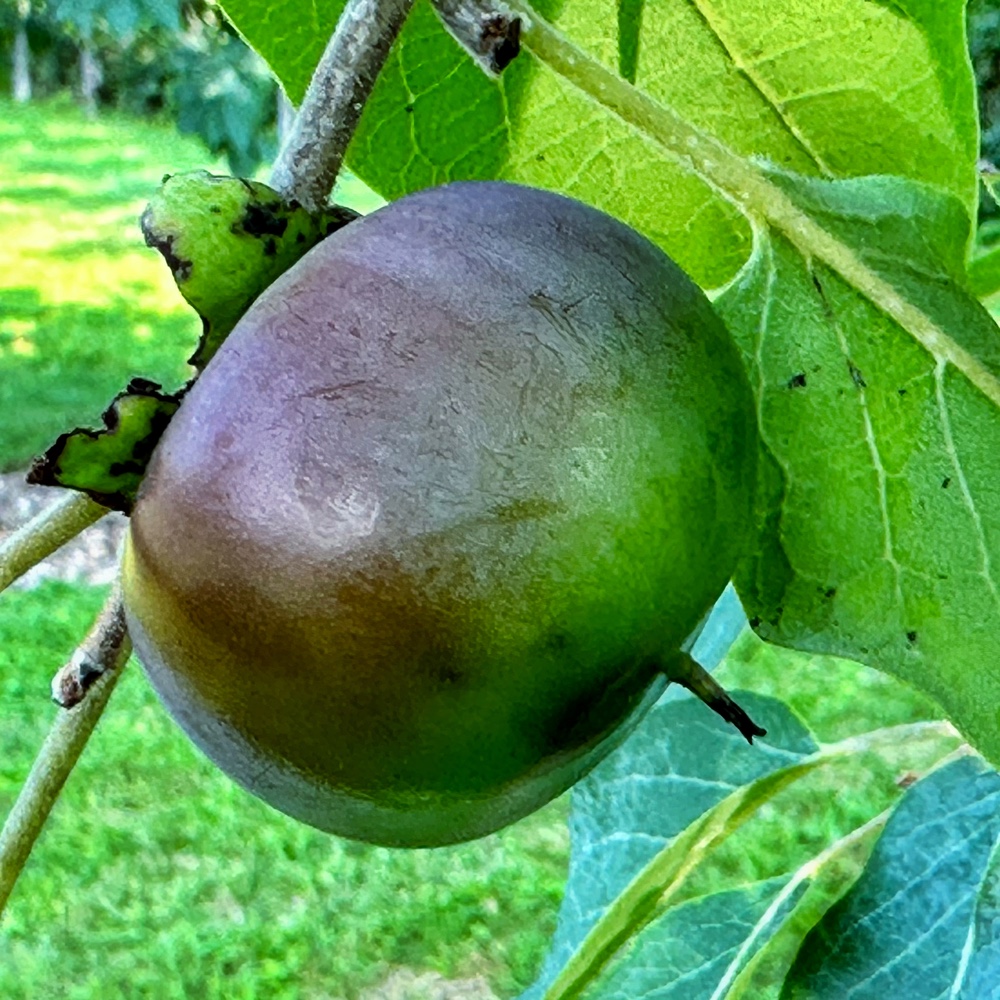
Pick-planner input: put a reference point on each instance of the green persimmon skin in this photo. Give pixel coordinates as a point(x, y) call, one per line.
point(410, 557)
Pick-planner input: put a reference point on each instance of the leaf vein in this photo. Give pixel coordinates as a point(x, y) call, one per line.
point(758, 81)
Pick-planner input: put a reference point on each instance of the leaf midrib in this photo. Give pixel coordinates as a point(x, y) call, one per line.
point(743, 184)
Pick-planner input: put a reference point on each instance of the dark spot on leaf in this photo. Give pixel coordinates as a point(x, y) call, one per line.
point(902, 392)
point(164, 243)
point(263, 219)
point(270, 247)
point(946, 482)
point(858, 378)
point(797, 381)
point(830, 593)
point(755, 623)
point(911, 636)
point(408, 109)
point(539, 156)
point(215, 209)
point(131, 467)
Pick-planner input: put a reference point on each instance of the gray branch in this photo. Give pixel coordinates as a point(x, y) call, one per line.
point(95, 655)
point(62, 748)
point(307, 166)
point(59, 523)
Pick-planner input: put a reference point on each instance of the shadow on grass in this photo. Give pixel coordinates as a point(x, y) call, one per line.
point(60, 365)
point(107, 245)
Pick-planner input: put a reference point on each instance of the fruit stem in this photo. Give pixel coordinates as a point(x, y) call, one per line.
point(63, 746)
point(307, 166)
point(43, 534)
point(690, 674)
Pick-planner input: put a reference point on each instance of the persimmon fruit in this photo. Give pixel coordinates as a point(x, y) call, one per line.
point(424, 538)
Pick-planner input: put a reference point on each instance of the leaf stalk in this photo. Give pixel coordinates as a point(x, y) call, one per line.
point(43, 534)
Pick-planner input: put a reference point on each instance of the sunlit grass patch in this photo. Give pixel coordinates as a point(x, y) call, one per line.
point(84, 304)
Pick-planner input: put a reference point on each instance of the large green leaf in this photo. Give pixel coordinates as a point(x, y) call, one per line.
point(655, 900)
point(881, 518)
point(838, 89)
point(929, 892)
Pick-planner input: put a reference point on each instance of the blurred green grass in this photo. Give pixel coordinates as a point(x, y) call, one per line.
point(84, 304)
point(157, 877)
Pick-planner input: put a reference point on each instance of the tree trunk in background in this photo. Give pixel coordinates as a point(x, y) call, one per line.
point(21, 74)
point(91, 76)
point(286, 116)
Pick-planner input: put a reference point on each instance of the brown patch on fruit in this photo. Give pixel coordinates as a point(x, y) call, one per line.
point(528, 509)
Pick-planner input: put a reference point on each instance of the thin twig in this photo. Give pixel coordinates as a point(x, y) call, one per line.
point(307, 166)
point(46, 532)
point(109, 632)
point(62, 748)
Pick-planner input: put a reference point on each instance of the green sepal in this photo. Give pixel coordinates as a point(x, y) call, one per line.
point(109, 464)
point(225, 240)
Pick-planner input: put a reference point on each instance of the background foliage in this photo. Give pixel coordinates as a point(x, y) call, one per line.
point(179, 58)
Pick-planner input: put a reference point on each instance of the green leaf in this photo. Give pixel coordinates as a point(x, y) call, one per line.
point(770, 948)
point(738, 943)
point(694, 809)
point(604, 927)
point(108, 464)
point(842, 89)
point(984, 273)
point(929, 891)
point(880, 517)
point(290, 36)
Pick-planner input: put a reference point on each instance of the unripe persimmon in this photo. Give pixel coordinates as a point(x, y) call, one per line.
point(414, 551)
